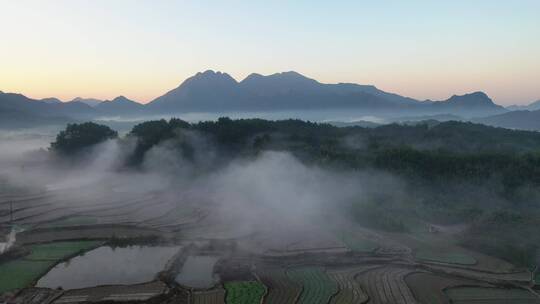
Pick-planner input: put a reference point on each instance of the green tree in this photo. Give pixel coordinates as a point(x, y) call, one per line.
point(77, 137)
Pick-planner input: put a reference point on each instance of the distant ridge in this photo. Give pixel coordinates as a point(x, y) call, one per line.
point(212, 91)
point(533, 106)
point(89, 101)
point(218, 92)
point(521, 119)
point(120, 106)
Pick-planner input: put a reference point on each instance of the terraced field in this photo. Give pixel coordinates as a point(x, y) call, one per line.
point(523, 276)
point(23, 272)
point(281, 289)
point(247, 292)
point(58, 208)
point(350, 290)
point(214, 296)
point(429, 288)
point(481, 295)
point(386, 285)
point(445, 257)
point(70, 221)
point(317, 287)
point(37, 296)
point(59, 250)
point(358, 243)
point(121, 293)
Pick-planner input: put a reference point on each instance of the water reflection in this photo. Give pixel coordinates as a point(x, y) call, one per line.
point(107, 266)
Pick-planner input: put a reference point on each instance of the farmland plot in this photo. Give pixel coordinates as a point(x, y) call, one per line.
point(87, 232)
point(37, 296)
point(481, 295)
point(386, 285)
point(57, 207)
point(110, 266)
point(445, 257)
point(428, 288)
point(523, 276)
point(23, 272)
point(357, 242)
point(281, 289)
point(317, 287)
point(350, 290)
point(70, 221)
point(59, 250)
point(247, 292)
point(214, 296)
point(140, 292)
point(177, 216)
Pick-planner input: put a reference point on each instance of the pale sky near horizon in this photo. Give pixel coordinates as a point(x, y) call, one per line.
point(142, 49)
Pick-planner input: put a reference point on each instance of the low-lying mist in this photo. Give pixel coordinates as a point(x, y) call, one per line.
point(265, 191)
point(270, 183)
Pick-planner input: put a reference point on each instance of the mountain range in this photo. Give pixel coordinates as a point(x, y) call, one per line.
point(218, 92)
point(530, 107)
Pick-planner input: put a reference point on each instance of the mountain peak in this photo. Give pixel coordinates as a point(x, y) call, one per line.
point(212, 75)
point(120, 105)
point(475, 100)
point(477, 94)
point(122, 98)
point(51, 100)
point(209, 78)
point(290, 75)
point(279, 83)
point(89, 101)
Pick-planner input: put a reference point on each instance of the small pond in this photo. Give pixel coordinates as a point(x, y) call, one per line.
point(108, 266)
point(198, 272)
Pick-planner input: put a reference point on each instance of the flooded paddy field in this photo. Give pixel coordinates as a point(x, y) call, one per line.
point(109, 266)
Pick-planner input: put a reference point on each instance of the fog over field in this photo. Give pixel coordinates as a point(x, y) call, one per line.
point(255, 193)
point(254, 200)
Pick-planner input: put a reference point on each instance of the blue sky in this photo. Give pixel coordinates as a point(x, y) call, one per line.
point(422, 49)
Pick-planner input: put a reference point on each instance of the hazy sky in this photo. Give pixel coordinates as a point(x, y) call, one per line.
point(141, 49)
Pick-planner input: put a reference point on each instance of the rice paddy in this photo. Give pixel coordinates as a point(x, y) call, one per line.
point(24, 271)
point(445, 257)
point(466, 295)
point(244, 292)
point(317, 287)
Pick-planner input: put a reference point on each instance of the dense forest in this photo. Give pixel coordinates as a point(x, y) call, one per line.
point(454, 173)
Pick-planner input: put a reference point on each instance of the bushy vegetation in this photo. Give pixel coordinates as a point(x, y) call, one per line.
point(150, 133)
point(77, 137)
point(508, 234)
